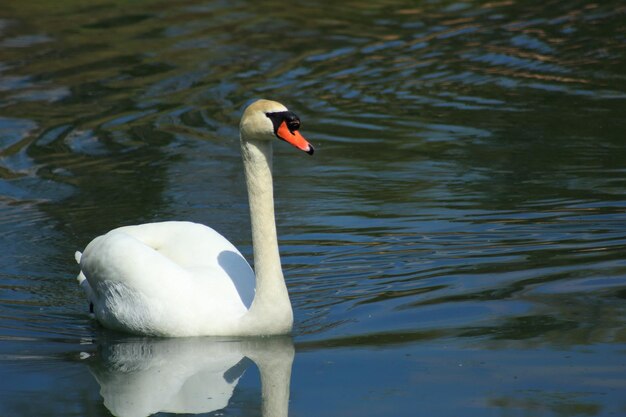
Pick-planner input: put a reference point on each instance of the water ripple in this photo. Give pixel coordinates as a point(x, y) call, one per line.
point(469, 170)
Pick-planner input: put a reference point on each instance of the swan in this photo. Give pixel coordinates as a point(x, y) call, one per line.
point(178, 278)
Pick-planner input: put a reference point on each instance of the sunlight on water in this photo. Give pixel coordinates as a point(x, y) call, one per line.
point(456, 243)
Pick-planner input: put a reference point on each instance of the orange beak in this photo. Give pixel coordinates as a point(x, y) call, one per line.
point(295, 138)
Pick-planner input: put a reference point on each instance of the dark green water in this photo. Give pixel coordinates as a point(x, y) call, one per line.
point(456, 246)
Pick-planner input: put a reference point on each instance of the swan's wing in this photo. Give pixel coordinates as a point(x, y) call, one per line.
point(172, 274)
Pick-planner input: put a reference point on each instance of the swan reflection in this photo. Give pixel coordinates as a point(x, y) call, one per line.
point(140, 377)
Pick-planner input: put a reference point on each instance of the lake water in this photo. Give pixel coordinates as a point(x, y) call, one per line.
point(456, 246)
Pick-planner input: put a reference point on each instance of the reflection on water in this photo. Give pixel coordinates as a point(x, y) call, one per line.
point(140, 377)
point(467, 195)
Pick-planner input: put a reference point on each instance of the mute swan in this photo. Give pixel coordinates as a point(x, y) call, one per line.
point(185, 279)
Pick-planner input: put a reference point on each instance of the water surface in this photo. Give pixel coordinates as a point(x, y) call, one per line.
point(457, 245)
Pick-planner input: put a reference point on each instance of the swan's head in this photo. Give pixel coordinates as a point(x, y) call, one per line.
point(267, 120)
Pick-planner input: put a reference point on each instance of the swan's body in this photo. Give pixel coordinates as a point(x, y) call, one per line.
point(185, 279)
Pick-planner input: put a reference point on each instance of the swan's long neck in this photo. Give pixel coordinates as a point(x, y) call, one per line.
point(271, 308)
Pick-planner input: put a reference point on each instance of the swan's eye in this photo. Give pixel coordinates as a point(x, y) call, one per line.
point(293, 124)
point(289, 118)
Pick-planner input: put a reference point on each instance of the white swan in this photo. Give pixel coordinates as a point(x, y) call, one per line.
point(185, 279)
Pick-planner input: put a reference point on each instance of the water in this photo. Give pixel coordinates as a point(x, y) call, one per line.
point(456, 245)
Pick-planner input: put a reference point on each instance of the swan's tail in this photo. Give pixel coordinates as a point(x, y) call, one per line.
point(81, 276)
point(84, 284)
